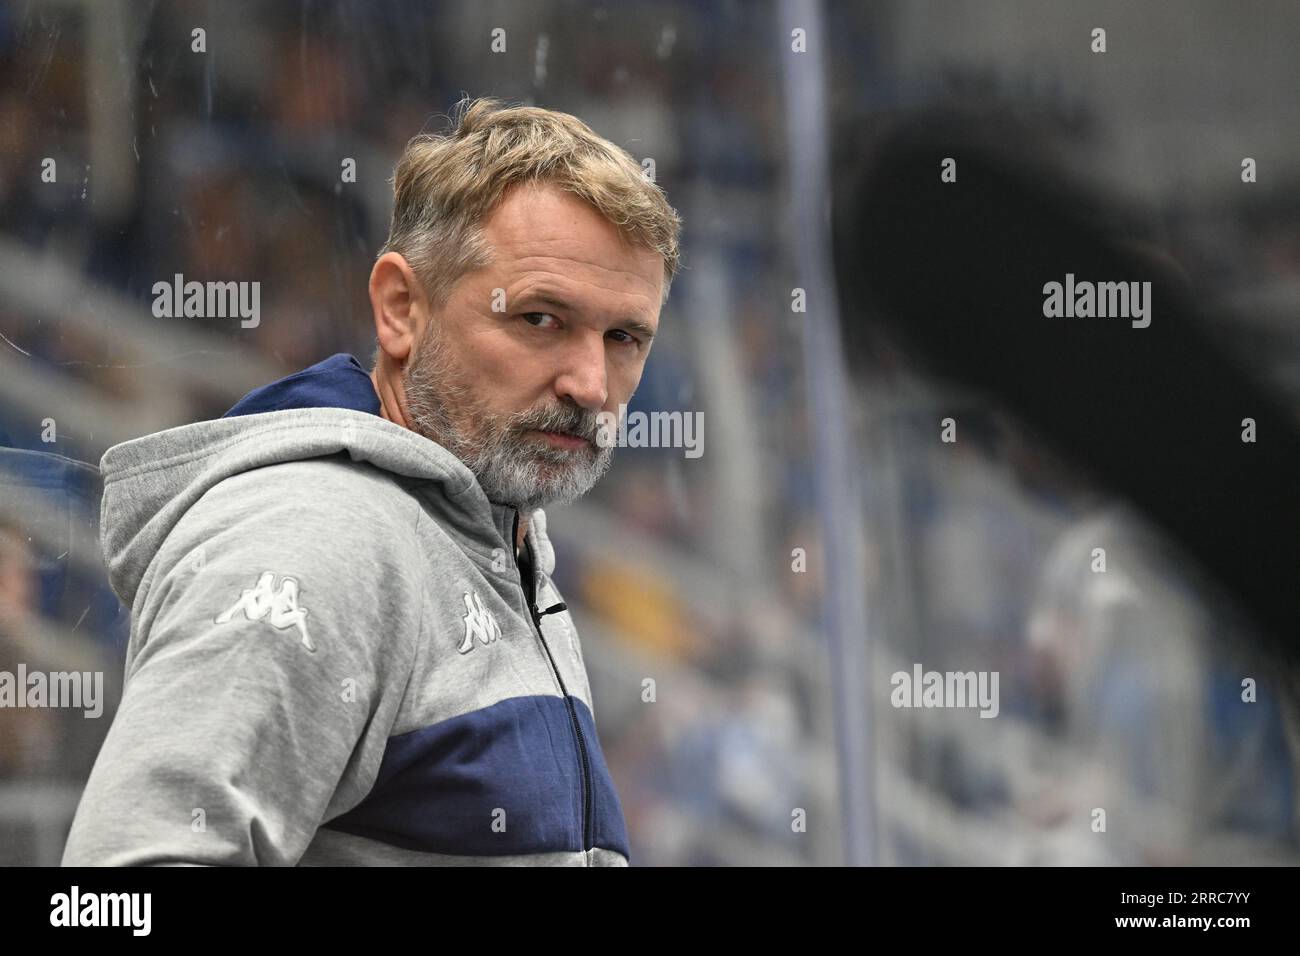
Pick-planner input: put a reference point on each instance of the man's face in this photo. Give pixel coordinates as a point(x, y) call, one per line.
point(513, 371)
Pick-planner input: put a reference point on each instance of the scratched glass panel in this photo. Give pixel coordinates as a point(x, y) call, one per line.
point(740, 629)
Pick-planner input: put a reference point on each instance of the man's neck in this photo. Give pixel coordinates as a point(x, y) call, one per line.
point(391, 406)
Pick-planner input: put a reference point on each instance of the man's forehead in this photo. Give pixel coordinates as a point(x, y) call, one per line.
point(544, 221)
point(550, 245)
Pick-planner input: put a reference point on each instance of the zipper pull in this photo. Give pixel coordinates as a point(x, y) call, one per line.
point(538, 615)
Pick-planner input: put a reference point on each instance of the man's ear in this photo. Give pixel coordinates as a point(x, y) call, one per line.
point(399, 305)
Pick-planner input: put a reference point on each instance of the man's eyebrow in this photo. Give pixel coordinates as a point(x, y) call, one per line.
point(630, 322)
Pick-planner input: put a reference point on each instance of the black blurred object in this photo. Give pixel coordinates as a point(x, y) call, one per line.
point(955, 272)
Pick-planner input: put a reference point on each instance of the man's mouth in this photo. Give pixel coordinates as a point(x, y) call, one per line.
point(564, 440)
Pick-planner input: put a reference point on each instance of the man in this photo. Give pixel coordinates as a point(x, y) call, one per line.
point(346, 645)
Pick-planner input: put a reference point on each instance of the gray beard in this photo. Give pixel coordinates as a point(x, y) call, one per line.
point(512, 467)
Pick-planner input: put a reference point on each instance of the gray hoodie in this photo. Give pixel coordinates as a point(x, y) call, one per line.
point(334, 659)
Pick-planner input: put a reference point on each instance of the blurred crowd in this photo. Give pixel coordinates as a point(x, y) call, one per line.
point(1119, 691)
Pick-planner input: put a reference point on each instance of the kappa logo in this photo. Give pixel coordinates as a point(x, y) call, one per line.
point(278, 605)
point(479, 623)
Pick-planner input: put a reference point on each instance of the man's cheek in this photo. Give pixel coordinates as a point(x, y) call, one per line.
point(627, 385)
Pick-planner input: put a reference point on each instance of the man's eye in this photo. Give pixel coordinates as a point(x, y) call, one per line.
point(535, 318)
point(626, 336)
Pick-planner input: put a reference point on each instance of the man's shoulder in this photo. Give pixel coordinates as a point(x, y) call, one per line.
point(333, 490)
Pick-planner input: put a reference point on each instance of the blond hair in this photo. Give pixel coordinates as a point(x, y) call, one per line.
point(445, 187)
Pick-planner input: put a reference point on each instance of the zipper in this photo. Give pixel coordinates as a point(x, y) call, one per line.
point(588, 837)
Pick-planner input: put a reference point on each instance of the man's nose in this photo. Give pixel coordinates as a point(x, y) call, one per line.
point(583, 377)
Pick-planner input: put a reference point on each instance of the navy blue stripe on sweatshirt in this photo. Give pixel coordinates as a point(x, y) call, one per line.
point(337, 382)
point(439, 787)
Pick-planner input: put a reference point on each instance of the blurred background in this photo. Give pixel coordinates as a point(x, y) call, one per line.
point(771, 738)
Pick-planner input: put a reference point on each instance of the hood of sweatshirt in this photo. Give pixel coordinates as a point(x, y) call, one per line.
point(328, 409)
